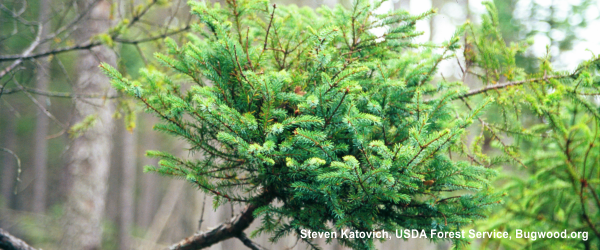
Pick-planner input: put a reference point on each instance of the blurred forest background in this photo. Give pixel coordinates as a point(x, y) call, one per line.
point(63, 178)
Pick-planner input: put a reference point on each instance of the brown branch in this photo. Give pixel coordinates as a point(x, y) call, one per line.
point(234, 228)
point(9, 242)
point(150, 39)
point(585, 215)
point(269, 27)
point(139, 16)
point(328, 120)
point(84, 46)
point(505, 85)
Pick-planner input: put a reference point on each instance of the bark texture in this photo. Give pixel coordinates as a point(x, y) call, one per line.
point(90, 152)
point(9, 242)
point(234, 228)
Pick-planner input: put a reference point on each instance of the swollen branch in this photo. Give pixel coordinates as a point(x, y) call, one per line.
point(231, 229)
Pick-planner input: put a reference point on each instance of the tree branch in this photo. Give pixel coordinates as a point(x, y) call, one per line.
point(25, 53)
point(247, 242)
point(153, 38)
point(234, 228)
point(9, 242)
point(84, 46)
point(56, 94)
point(269, 27)
point(507, 84)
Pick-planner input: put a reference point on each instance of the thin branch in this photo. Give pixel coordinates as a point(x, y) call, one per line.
point(247, 242)
point(328, 120)
point(72, 23)
point(141, 14)
point(585, 215)
point(18, 167)
point(57, 94)
point(202, 213)
point(9, 242)
point(83, 46)
point(150, 39)
point(42, 108)
point(25, 53)
point(507, 84)
point(269, 27)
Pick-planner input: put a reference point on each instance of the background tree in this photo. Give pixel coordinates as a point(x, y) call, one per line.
point(40, 43)
point(90, 154)
point(41, 127)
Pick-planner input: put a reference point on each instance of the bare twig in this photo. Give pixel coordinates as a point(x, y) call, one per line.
point(82, 46)
point(269, 27)
point(57, 94)
point(202, 213)
point(18, 169)
point(25, 53)
point(153, 38)
point(72, 23)
point(42, 108)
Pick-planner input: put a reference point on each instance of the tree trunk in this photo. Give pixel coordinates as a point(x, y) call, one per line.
point(90, 152)
point(40, 149)
point(127, 187)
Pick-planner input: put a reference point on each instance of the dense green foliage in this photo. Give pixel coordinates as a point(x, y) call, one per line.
point(329, 126)
point(552, 121)
point(320, 114)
